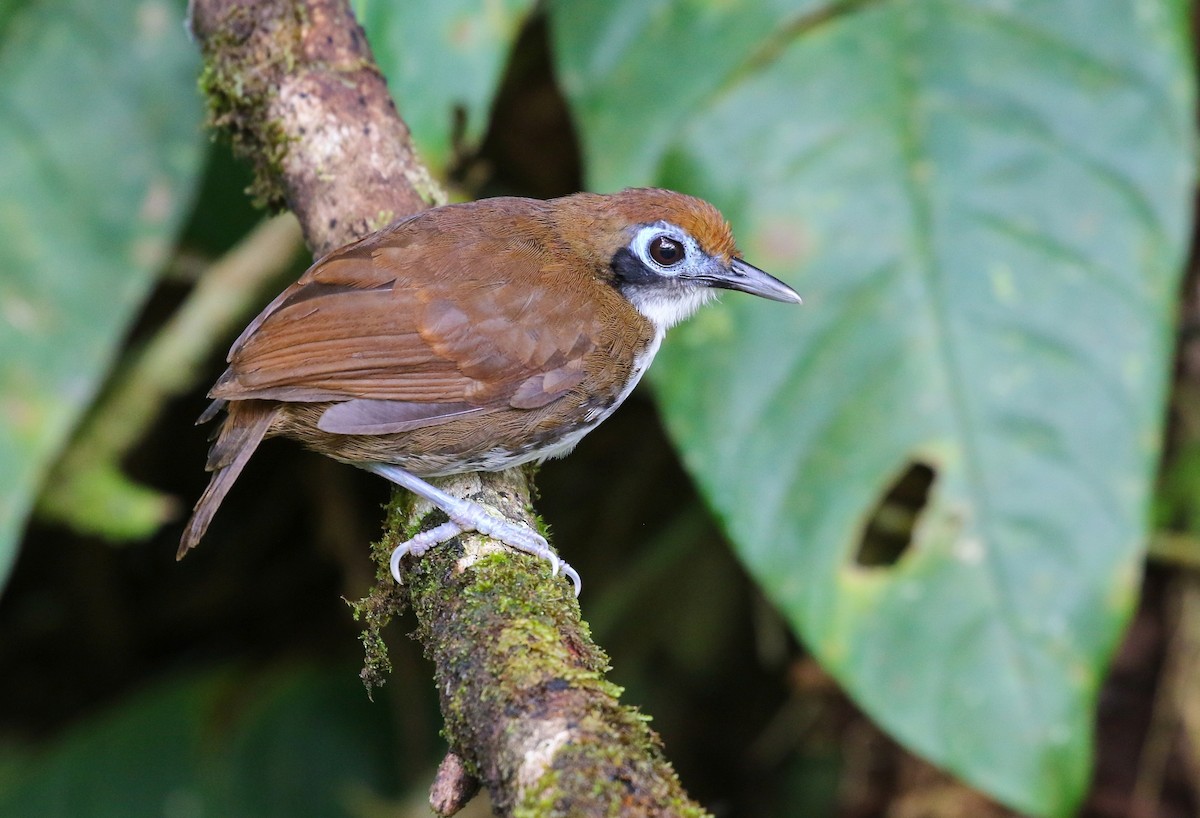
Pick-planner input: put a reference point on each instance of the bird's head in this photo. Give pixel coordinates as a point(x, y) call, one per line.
point(666, 252)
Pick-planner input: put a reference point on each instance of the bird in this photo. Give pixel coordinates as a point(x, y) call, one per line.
point(471, 337)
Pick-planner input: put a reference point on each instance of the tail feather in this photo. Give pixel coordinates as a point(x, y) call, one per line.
point(245, 426)
point(211, 412)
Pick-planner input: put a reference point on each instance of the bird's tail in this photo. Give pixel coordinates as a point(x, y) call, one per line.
point(246, 424)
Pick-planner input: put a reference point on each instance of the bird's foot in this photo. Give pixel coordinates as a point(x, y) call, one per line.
point(475, 517)
point(466, 515)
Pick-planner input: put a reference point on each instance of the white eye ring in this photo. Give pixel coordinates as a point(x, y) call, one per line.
point(653, 239)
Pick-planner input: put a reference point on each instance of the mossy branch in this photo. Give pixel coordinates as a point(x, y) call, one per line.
point(527, 708)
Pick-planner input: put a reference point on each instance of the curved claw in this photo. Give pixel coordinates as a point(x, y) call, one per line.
point(398, 554)
point(574, 575)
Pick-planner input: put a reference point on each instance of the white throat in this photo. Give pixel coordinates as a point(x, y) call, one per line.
point(664, 308)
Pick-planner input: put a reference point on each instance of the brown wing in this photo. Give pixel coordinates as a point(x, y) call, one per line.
point(435, 311)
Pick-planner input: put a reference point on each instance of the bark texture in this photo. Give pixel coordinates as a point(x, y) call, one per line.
point(528, 711)
point(297, 89)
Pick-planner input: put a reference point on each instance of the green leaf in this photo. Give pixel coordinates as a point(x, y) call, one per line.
point(636, 71)
point(140, 760)
point(443, 60)
point(100, 147)
point(986, 206)
point(302, 742)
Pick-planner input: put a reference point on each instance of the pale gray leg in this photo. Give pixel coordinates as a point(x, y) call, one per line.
point(466, 516)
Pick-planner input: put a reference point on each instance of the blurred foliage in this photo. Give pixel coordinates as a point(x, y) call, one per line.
point(443, 61)
point(938, 470)
point(101, 150)
point(302, 743)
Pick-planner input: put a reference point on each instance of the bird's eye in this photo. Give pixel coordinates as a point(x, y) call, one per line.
point(666, 251)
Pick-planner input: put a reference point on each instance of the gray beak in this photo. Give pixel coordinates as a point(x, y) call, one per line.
point(747, 278)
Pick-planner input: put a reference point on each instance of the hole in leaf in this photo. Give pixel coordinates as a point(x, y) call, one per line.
point(889, 530)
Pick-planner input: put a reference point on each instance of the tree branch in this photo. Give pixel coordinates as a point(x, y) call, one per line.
point(527, 708)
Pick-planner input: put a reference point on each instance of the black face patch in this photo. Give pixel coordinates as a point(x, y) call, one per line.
point(629, 270)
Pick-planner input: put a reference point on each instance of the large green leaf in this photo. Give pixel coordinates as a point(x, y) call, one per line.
point(100, 144)
point(986, 206)
point(443, 60)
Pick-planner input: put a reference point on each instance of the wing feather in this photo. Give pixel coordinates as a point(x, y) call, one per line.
point(399, 318)
point(380, 417)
